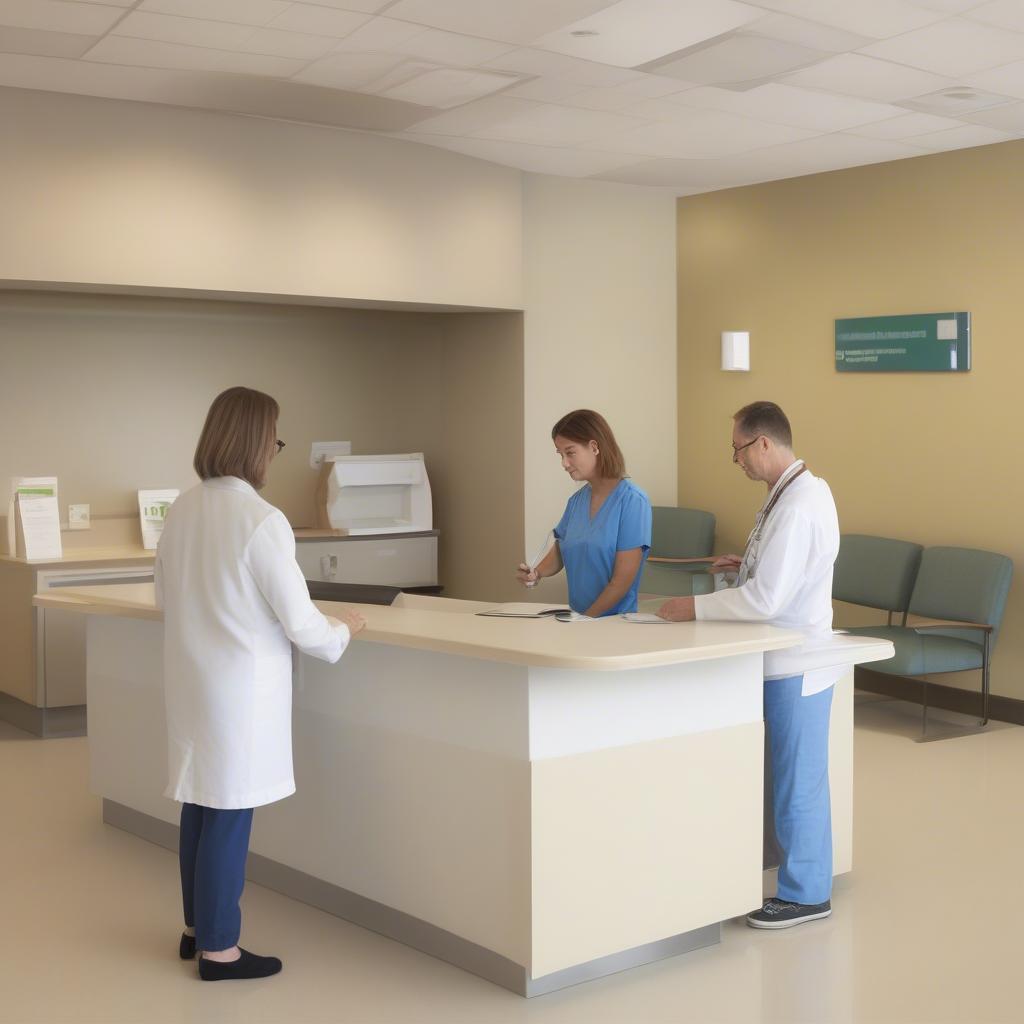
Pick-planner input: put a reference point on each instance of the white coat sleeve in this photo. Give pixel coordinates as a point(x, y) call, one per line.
point(270, 556)
point(779, 574)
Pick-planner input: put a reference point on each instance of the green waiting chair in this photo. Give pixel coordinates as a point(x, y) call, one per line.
point(956, 608)
point(876, 572)
point(679, 533)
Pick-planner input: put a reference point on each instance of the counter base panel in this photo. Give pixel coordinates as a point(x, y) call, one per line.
point(46, 723)
point(421, 935)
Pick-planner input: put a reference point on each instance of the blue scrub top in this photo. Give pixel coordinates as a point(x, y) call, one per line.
point(589, 546)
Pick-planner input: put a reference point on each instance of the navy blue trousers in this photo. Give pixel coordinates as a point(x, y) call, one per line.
point(212, 848)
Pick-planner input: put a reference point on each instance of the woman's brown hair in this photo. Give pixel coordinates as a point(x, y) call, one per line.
point(584, 426)
point(238, 437)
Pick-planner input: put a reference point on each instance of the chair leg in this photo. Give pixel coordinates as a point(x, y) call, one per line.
point(985, 679)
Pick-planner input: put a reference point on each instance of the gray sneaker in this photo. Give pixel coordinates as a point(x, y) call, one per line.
point(781, 914)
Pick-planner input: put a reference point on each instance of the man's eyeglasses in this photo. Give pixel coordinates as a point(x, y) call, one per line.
point(736, 451)
point(280, 445)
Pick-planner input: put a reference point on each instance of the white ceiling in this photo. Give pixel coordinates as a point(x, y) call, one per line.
point(690, 95)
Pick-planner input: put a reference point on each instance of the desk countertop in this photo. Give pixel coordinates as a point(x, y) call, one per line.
point(438, 624)
point(86, 557)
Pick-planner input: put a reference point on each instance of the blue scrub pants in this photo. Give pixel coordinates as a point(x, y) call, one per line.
point(798, 750)
point(212, 848)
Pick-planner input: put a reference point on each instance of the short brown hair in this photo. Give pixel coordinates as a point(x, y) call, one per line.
point(765, 418)
point(238, 437)
point(584, 426)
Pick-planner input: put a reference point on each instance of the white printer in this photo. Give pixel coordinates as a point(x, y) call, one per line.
point(359, 495)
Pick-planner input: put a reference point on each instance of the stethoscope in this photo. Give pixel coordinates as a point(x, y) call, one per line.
point(746, 570)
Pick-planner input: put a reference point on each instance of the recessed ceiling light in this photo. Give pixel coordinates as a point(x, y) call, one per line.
point(960, 94)
point(582, 33)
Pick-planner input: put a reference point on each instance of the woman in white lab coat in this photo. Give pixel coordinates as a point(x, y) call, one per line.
point(234, 602)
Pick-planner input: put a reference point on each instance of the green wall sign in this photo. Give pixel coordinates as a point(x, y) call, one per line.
point(930, 342)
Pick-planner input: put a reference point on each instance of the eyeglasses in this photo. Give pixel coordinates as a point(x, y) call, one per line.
point(280, 445)
point(736, 451)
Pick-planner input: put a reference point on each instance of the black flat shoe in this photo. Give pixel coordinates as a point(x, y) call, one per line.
point(187, 947)
point(248, 965)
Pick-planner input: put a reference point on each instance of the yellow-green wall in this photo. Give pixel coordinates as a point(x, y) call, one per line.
point(935, 458)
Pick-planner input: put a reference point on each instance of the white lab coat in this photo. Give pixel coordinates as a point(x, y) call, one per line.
point(234, 601)
point(786, 580)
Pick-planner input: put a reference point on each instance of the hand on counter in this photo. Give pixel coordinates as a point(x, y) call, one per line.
point(678, 609)
point(351, 618)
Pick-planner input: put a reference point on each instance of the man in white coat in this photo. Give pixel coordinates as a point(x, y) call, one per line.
point(785, 578)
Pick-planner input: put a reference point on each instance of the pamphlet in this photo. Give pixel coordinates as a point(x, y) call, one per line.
point(153, 506)
point(525, 610)
point(34, 501)
point(646, 617)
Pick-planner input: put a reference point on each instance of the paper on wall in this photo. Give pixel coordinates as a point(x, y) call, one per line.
point(153, 506)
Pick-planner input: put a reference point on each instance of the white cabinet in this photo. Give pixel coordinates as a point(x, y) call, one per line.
point(408, 560)
point(60, 635)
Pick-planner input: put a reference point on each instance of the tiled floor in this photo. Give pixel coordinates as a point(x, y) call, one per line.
point(927, 930)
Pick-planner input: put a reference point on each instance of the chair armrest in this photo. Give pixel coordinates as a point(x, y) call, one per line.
point(681, 561)
point(920, 624)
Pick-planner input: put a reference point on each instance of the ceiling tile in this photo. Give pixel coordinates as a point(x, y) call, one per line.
point(59, 16)
point(299, 45)
point(953, 47)
point(366, 6)
point(242, 12)
point(189, 31)
point(548, 124)
point(536, 159)
point(473, 116)
point(875, 18)
point(442, 88)
point(956, 101)
point(740, 58)
point(44, 44)
point(904, 127)
point(853, 74)
point(788, 29)
point(999, 13)
point(960, 138)
point(619, 96)
point(688, 176)
point(1008, 79)
point(349, 70)
point(153, 54)
point(1010, 117)
point(390, 36)
point(568, 69)
point(545, 90)
point(823, 153)
point(55, 74)
point(701, 134)
point(948, 6)
point(110, 3)
point(633, 32)
point(786, 104)
point(319, 20)
point(514, 22)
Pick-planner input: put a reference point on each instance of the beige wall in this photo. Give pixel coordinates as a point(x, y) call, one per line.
point(115, 193)
point(927, 457)
point(109, 393)
point(599, 332)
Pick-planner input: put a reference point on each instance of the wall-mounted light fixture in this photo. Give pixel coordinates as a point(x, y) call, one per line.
point(735, 350)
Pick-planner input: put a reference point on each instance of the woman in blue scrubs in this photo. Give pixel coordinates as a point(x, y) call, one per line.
point(604, 534)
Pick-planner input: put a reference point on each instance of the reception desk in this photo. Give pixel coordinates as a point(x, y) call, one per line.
point(538, 802)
